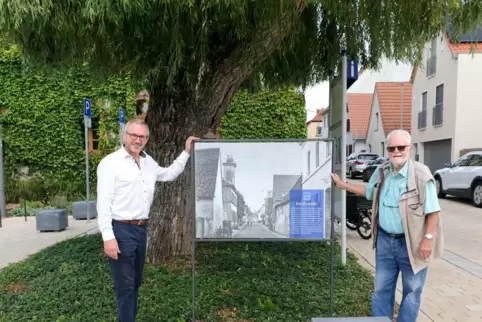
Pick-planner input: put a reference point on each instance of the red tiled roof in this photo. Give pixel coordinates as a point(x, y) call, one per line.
point(389, 96)
point(318, 117)
point(463, 48)
point(359, 110)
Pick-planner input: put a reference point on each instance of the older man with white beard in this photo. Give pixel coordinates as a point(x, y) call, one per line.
point(407, 229)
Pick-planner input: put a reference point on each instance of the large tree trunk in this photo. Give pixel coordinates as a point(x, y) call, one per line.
point(174, 116)
point(171, 219)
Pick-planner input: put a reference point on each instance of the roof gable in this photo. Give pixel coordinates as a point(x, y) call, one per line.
point(318, 117)
point(389, 96)
point(359, 110)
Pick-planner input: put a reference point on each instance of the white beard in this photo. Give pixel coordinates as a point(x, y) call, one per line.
point(398, 162)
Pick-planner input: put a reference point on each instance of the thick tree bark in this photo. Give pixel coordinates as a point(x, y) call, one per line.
point(173, 117)
point(171, 122)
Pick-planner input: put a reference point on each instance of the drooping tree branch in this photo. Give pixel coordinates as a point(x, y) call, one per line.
point(228, 76)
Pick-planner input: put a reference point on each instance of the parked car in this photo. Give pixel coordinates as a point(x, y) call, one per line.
point(367, 173)
point(462, 179)
point(357, 162)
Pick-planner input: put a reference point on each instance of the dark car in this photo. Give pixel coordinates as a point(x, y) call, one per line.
point(367, 173)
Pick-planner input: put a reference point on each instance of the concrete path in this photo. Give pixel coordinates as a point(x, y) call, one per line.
point(19, 238)
point(453, 290)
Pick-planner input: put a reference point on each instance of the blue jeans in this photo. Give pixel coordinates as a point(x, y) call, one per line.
point(127, 270)
point(391, 259)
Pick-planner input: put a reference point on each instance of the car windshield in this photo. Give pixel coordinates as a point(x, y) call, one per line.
point(368, 157)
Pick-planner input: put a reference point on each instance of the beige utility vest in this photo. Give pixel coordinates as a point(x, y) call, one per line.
point(412, 205)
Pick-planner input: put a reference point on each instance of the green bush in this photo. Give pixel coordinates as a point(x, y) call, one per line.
point(238, 281)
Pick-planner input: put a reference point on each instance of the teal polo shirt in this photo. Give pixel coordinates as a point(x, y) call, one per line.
point(394, 186)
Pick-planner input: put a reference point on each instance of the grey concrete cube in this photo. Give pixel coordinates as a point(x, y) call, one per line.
point(361, 319)
point(52, 220)
point(79, 209)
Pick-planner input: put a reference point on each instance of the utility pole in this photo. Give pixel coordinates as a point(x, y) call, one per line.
point(401, 110)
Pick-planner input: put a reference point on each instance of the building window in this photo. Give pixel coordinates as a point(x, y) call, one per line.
point(376, 121)
point(438, 109)
point(308, 163)
point(318, 130)
point(432, 59)
point(348, 125)
point(93, 140)
point(349, 149)
point(317, 158)
point(422, 115)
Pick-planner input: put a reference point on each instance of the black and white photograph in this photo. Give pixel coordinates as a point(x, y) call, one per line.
point(263, 190)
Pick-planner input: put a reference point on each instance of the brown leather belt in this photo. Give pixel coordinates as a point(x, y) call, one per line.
point(141, 222)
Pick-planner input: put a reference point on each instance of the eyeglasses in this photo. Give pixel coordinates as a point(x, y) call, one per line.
point(400, 148)
point(135, 136)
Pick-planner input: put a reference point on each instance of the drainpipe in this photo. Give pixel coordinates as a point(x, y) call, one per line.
point(401, 110)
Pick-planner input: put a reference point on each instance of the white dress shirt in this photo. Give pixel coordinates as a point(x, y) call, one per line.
point(125, 191)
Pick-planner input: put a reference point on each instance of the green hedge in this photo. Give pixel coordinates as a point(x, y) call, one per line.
point(273, 114)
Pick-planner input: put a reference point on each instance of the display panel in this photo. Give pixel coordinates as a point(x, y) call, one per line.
point(252, 190)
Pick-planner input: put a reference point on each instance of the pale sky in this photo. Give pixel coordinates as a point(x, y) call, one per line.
point(256, 163)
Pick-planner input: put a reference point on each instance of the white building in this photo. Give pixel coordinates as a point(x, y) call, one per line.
point(446, 112)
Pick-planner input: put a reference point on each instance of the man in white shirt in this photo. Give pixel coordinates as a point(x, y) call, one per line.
point(126, 182)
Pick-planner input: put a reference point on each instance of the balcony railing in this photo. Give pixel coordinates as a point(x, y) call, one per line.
point(431, 65)
point(422, 119)
point(438, 114)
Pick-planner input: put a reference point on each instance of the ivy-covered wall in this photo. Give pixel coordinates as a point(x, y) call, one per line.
point(41, 117)
point(42, 120)
point(273, 114)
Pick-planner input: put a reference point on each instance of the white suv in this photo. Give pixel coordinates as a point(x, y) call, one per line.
point(462, 179)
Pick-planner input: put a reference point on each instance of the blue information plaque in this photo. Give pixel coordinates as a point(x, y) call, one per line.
point(307, 218)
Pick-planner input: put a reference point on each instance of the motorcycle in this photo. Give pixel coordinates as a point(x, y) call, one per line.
point(359, 215)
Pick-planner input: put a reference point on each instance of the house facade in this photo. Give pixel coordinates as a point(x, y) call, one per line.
point(359, 105)
point(446, 122)
point(317, 126)
point(391, 109)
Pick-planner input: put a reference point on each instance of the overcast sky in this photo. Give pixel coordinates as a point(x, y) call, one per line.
point(256, 163)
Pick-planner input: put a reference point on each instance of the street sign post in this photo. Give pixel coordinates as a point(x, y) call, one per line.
point(122, 115)
point(87, 125)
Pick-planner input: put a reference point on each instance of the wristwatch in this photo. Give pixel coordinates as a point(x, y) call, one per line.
point(428, 236)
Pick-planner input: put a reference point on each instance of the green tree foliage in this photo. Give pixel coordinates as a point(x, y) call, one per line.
point(194, 55)
point(42, 120)
point(273, 114)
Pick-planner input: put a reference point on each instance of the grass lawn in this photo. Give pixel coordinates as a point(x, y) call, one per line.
point(236, 281)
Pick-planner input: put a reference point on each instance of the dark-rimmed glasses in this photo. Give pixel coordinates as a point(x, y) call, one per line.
point(400, 148)
point(133, 136)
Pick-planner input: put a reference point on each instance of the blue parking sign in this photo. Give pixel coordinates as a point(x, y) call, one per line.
point(87, 107)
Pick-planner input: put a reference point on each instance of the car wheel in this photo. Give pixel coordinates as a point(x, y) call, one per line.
point(364, 176)
point(477, 194)
point(438, 185)
point(351, 174)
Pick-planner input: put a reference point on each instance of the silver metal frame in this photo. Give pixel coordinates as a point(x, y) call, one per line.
point(193, 208)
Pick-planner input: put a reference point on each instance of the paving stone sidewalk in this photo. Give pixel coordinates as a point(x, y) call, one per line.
point(19, 238)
